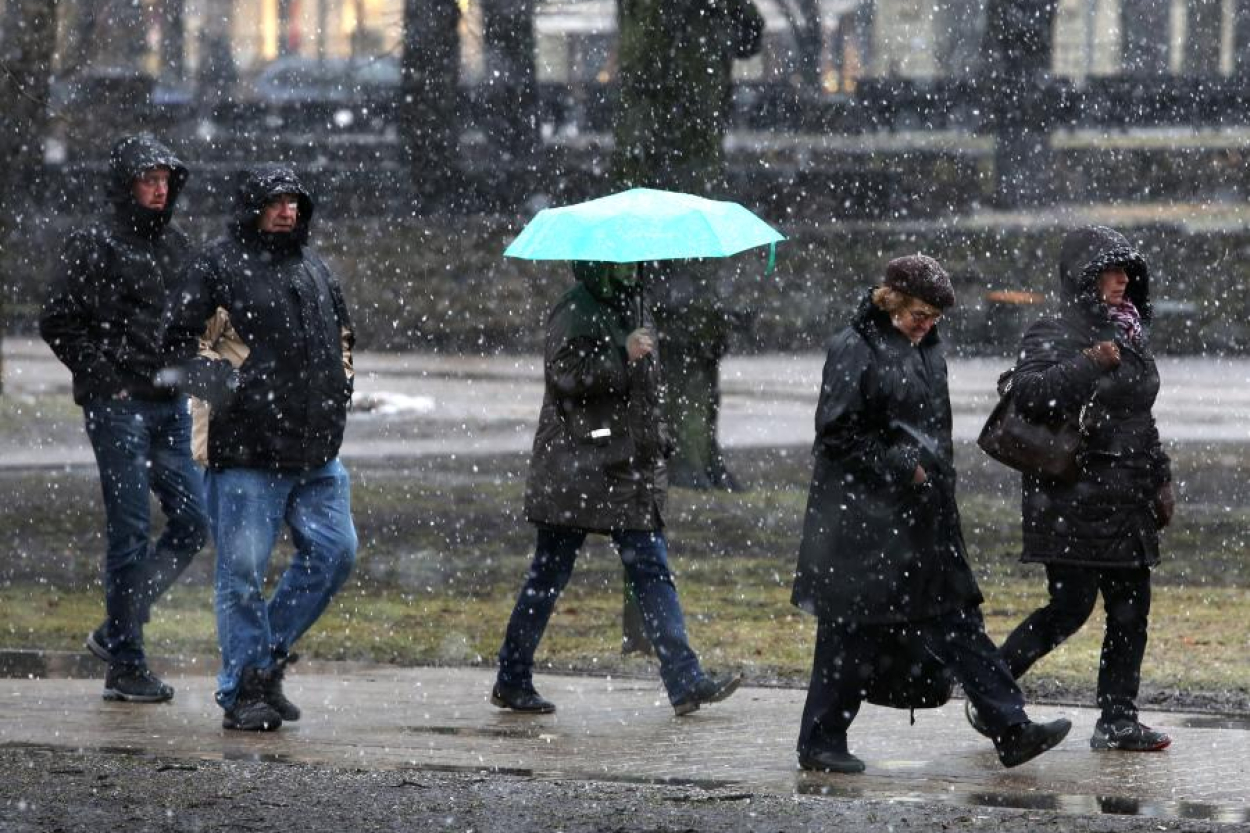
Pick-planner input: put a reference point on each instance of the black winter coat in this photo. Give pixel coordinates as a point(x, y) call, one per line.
point(110, 283)
point(876, 548)
point(1106, 518)
point(598, 462)
point(286, 406)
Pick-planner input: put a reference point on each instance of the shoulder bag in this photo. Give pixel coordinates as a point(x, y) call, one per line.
point(1035, 448)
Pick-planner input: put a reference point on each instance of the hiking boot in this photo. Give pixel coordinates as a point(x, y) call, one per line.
point(974, 720)
point(1127, 735)
point(1025, 741)
point(272, 682)
point(97, 643)
point(707, 690)
point(250, 712)
point(830, 760)
point(135, 683)
point(525, 700)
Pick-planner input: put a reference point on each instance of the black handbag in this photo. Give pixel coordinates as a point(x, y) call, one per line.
point(1043, 450)
point(906, 676)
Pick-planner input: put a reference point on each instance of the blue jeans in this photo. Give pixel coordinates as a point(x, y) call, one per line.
point(248, 508)
point(645, 556)
point(141, 447)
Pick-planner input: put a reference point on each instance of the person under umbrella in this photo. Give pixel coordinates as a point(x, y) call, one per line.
point(598, 466)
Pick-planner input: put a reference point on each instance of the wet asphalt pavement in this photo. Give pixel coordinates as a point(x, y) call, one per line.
point(612, 734)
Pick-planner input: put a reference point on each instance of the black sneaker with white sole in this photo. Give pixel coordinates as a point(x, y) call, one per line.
point(135, 683)
point(1127, 735)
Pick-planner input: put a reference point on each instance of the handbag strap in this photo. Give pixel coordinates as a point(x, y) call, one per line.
point(1080, 417)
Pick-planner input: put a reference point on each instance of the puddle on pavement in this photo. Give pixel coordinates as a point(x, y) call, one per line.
point(1214, 721)
point(518, 732)
point(825, 786)
point(72, 665)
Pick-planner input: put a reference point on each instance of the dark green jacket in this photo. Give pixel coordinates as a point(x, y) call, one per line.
point(598, 459)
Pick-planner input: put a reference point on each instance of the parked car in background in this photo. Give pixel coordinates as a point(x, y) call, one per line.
point(302, 79)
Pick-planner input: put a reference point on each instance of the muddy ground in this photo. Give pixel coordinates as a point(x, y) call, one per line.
point(42, 789)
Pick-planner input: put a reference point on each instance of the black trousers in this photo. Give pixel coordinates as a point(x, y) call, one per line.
point(1073, 592)
point(844, 659)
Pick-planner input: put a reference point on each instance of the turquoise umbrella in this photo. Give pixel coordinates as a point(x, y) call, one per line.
point(643, 224)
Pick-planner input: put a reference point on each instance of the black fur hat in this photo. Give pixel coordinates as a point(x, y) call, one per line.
point(920, 276)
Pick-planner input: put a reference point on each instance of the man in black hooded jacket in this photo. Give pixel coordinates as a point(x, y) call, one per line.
point(261, 333)
point(102, 320)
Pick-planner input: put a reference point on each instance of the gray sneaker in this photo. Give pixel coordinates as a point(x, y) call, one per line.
point(1128, 735)
point(135, 683)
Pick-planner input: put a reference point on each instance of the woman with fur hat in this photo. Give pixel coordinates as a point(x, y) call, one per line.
point(882, 560)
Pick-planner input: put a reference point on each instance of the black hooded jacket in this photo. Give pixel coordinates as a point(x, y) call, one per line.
point(110, 283)
point(286, 406)
point(877, 548)
point(1106, 518)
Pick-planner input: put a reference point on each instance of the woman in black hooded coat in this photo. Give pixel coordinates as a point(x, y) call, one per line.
point(1091, 361)
point(882, 563)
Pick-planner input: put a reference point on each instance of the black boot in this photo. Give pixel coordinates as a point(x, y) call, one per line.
point(288, 711)
point(525, 700)
point(250, 712)
point(830, 760)
point(133, 682)
point(1025, 741)
point(707, 690)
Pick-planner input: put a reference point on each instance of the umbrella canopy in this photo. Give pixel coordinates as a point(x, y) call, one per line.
point(642, 224)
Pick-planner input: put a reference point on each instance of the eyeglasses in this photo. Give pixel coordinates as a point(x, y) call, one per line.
point(922, 317)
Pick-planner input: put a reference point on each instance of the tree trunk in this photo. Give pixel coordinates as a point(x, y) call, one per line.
point(430, 98)
point(1018, 47)
point(676, 58)
point(511, 76)
point(173, 39)
point(26, 53)
point(288, 38)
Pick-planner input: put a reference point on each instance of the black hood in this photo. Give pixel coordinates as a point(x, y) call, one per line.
point(259, 185)
point(130, 158)
point(1085, 254)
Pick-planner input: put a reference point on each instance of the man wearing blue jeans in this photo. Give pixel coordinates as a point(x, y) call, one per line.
point(599, 465)
point(261, 334)
point(102, 320)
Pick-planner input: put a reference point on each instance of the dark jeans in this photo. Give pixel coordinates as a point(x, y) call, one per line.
point(645, 556)
point(844, 658)
point(248, 508)
point(1073, 593)
point(141, 447)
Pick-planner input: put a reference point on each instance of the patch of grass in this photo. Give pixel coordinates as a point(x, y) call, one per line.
point(444, 549)
point(738, 615)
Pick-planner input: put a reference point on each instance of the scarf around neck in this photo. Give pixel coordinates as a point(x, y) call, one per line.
point(1127, 319)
